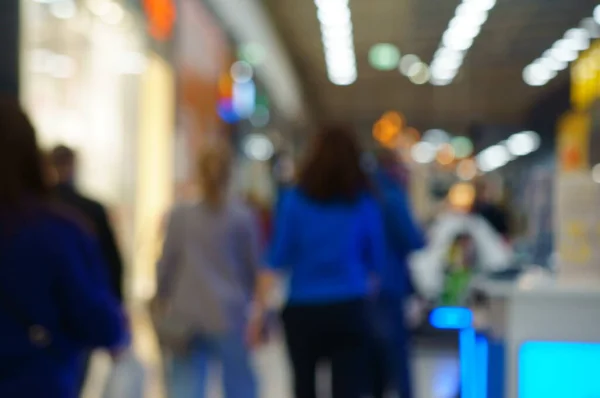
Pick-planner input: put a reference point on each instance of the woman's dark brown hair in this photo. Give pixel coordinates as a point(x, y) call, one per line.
point(21, 166)
point(333, 169)
point(25, 172)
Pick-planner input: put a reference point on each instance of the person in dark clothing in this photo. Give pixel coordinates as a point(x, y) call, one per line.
point(64, 162)
point(494, 214)
point(391, 345)
point(55, 302)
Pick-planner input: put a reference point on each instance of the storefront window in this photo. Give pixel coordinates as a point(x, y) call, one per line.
point(80, 61)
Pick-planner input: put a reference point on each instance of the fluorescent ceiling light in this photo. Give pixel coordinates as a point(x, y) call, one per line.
point(484, 5)
point(338, 42)
point(563, 51)
point(523, 144)
point(578, 39)
point(496, 156)
point(456, 42)
point(552, 63)
point(591, 26)
point(493, 158)
point(537, 74)
point(465, 30)
point(322, 4)
point(334, 17)
point(475, 19)
point(458, 38)
point(442, 73)
point(440, 81)
point(448, 58)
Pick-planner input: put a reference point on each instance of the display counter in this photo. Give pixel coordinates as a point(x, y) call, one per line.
point(553, 333)
point(543, 339)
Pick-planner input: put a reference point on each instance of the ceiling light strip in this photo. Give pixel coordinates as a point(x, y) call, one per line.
point(338, 40)
point(458, 38)
point(562, 52)
point(499, 155)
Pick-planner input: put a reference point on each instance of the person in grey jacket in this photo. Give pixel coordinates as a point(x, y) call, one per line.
point(207, 273)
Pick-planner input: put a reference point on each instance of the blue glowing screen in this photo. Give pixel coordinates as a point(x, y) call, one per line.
point(559, 370)
point(451, 318)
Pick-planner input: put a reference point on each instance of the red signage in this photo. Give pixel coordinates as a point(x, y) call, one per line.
point(161, 16)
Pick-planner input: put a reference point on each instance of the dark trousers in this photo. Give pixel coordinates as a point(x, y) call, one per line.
point(390, 349)
point(83, 369)
point(335, 333)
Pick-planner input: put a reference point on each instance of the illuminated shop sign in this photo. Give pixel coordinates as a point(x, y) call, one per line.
point(161, 16)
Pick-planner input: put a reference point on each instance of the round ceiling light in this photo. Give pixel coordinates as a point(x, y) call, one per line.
point(436, 137)
point(423, 152)
point(407, 62)
point(241, 72)
point(419, 73)
point(384, 56)
point(258, 147)
point(466, 170)
point(463, 147)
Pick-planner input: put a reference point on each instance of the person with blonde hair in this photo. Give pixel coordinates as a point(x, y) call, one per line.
point(206, 279)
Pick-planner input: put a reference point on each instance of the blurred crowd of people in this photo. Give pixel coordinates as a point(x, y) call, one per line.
point(339, 235)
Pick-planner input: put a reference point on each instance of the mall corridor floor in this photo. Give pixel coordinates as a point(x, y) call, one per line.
point(435, 370)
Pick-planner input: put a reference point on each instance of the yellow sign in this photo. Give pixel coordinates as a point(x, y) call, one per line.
point(573, 142)
point(585, 78)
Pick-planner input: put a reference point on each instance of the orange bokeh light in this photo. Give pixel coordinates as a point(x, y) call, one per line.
point(225, 86)
point(409, 137)
point(446, 155)
point(462, 196)
point(386, 133)
point(161, 16)
point(467, 169)
point(394, 118)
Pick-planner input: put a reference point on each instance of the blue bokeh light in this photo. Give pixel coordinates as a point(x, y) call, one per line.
point(226, 111)
point(451, 318)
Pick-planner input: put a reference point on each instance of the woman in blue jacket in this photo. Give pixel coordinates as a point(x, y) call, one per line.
point(329, 238)
point(54, 302)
